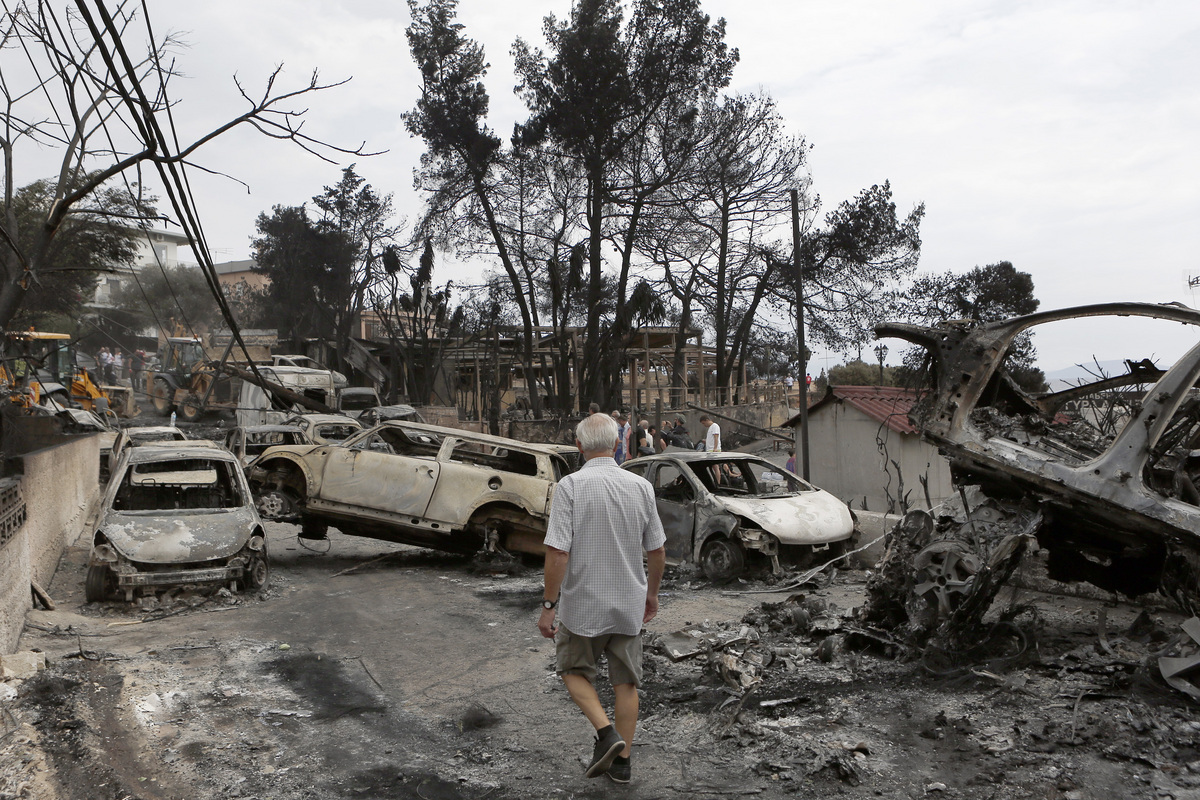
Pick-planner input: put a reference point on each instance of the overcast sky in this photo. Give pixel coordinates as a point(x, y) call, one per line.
point(1059, 135)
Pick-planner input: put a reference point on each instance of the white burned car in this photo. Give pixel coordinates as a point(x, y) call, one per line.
point(715, 507)
point(406, 482)
point(325, 428)
point(176, 515)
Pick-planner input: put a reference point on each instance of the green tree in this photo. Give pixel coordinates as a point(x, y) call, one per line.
point(459, 167)
point(360, 220)
point(308, 267)
point(735, 198)
point(848, 265)
point(984, 294)
point(96, 237)
point(860, 373)
point(156, 296)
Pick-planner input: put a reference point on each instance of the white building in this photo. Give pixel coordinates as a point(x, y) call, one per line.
point(861, 445)
point(155, 247)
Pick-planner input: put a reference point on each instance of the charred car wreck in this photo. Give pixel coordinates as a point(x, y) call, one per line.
point(716, 508)
point(417, 484)
point(176, 514)
point(1114, 504)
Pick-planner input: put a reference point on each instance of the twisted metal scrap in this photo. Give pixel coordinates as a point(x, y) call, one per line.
point(1175, 669)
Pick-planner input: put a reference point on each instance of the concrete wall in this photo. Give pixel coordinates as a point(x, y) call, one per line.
point(59, 491)
point(846, 460)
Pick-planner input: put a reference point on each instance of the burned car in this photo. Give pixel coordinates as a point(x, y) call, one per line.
point(1113, 464)
point(176, 515)
point(715, 507)
point(113, 444)
point(250, 442)
point(325, 428)
point(416, 484)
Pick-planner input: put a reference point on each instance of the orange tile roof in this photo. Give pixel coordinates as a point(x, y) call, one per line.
point(888, 405)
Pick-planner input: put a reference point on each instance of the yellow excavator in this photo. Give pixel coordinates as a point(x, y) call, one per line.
point(39, 368)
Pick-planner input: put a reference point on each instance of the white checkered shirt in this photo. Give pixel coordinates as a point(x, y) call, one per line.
point(605, 518)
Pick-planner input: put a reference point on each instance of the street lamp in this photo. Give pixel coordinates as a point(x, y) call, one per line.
point(881, 354)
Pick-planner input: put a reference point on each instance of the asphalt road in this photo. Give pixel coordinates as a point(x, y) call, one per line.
point(410, 676)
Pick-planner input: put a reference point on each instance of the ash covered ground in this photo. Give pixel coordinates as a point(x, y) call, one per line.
point(417, 676)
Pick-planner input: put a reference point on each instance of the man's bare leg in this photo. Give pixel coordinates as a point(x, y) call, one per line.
point(626, 712)
point(584, 695)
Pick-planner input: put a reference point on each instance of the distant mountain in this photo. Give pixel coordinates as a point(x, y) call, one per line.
point(1067, 377)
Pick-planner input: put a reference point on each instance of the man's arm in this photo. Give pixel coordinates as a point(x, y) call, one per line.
point(556, 570)
point(656, 560)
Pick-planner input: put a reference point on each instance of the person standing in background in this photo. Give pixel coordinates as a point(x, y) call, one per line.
point(712, 435)
point(622, 451)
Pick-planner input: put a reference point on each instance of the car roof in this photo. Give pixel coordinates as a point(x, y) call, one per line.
point(152, 430)
point(270, 428)
point(171, 451)
point(323, 419)
point(459, 433)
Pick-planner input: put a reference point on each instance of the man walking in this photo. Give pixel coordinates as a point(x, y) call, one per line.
point(601, 520)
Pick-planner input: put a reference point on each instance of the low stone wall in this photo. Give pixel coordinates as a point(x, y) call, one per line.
point(40, 513)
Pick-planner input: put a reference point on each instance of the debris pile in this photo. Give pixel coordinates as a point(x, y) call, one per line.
point(937, 579)
point(1045, 706)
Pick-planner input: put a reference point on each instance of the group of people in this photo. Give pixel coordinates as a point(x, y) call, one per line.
point(113, 367)
point(644, 439)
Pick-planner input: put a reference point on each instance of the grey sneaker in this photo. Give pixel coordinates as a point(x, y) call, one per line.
point(618, 772)
point(606, 749)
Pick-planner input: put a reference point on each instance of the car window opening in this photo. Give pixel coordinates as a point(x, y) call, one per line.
point(337, 433)
point(489, 456)
point(190, 484)
point(741, 478)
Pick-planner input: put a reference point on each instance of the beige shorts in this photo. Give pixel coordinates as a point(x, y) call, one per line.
point(578, 655)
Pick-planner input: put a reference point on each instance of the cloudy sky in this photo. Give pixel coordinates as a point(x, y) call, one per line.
point(1060, 135)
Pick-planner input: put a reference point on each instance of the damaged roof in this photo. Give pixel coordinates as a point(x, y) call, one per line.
point(888, 405)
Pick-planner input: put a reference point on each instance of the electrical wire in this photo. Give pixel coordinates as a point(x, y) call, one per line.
point(170, 170)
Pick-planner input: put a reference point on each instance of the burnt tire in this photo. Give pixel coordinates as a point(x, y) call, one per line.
point(276, 504)
point(160, 394)
point(314, 530)
point(722, 559)
point(190, 410)
point(258, 573)
point(101, 583)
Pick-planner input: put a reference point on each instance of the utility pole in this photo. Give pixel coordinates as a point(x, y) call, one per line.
point(802, 432)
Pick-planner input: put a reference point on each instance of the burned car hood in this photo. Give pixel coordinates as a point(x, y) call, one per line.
point(806, 518)
point(175, 537)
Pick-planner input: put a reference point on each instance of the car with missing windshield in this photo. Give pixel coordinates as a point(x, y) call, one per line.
point(418, 484)
point(363, 403)
point(325, 428)
point(248, 443)
point(176, 514)
point(718, 508)
point(114, 443)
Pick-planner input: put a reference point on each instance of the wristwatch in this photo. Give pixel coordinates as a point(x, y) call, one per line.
point(549, 605)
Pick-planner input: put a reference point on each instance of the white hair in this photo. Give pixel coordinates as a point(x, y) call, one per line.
point(596, 433)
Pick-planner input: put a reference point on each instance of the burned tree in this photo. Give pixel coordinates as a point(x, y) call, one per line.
point(95, 85)
point(620, 97)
